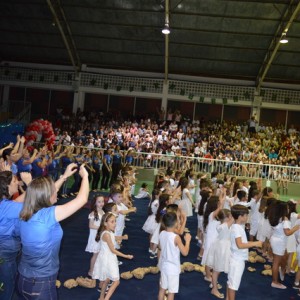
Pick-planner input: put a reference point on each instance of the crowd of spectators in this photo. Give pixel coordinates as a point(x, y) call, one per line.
point(248, 142)
point(106, 144)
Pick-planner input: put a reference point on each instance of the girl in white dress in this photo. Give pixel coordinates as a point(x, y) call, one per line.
point(219, 253)
point(106, 266)
point(151, 224)
point(291, 247)
point(205, 194)
point(277, 215)
point(186, 203)
point(143, 192)
point(210, 224)
point(94, 223)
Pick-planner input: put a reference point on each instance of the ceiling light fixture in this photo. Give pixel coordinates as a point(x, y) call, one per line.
point(166, 29)
point(283, 39)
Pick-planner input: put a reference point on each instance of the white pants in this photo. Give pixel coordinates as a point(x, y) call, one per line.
point(235, 273)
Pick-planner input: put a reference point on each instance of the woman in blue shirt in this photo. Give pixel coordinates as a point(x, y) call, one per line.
point(10, 243)
point(106, 169)
point(41, 233)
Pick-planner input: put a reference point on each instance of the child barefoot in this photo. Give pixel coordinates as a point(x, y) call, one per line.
point(106, 266)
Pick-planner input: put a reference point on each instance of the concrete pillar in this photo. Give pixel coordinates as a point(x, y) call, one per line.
point(165, 93)
point(78, 101)
point(256, 107)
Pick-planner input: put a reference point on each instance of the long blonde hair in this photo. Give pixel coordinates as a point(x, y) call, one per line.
point(37, 196)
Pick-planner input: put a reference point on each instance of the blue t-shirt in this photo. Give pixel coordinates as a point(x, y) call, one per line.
point(117, 158)
point(36, 170)
point(23, 168)
point(41, 237)
point(10, 243)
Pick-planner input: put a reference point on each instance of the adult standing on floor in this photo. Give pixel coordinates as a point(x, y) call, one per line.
point(41, 233)
point(116, 164)
point(10, 244)
point(106, 169)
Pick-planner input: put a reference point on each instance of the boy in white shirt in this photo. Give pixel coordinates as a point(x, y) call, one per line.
point(239, 249)
point(169, 262)
point(254, 214)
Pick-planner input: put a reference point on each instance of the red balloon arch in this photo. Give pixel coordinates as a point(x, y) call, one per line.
point(37, 128)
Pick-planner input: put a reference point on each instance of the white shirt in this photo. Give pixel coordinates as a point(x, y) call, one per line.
point(169, 261)
point(238, 231)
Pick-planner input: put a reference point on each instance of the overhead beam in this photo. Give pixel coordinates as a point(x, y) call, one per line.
point(65, 31)
point(285, 24)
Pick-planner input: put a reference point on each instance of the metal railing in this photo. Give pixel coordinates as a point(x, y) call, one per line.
point(279, 173)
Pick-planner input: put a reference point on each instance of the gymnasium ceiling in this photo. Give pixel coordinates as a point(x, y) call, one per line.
point(213, 38)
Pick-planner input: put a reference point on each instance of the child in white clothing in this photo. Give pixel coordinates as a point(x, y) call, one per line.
point(239, 249)
point(94, 223)
point(169, 261)
point(106, 265)
point(143, 192)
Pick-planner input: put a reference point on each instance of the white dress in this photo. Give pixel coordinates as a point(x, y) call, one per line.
point(197, 195)
point(219, 252)
point(278, 239)
point(142, 194)
point(210, 236)
point(291, 239)
point(186, 204)
point(92, 245)
point(106, 265)
point(264, 230)
point(151, 224)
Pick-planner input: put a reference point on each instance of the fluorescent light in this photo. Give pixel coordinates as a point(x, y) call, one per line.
point(166, 29)
point(283, 39)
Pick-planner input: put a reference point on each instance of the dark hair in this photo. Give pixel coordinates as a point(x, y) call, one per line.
point(291, 208)
point(212, 205)
point(266, 191)
point(239, 210)
point(223, 214)
point(101, 228)
point(108, 207)
point(278, 211)
point(5, 180)
point(169, 219)
point(7, 152)
point(172, 208)
point(163, 199)
point(183, 182)
point(37, 196)
point(155, 192)
point(204, 198)
point(236, 186)
point(253, 187)
point(94, 207)
point(269, 202)
point(144, 185)
point(241, 194)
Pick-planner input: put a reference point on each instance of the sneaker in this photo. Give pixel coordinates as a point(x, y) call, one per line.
point(296, 286)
